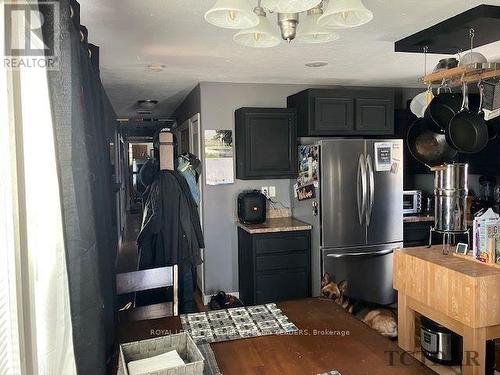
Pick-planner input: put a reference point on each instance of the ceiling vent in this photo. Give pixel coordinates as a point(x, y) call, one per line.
point(316, 64)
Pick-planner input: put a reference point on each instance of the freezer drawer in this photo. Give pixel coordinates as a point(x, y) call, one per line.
point(368, 271)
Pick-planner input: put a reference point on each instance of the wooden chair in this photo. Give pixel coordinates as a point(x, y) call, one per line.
point(139, 281)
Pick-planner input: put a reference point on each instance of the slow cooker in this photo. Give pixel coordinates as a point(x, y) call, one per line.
point(439, 344)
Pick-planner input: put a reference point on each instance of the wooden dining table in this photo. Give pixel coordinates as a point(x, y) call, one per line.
point(328, 339)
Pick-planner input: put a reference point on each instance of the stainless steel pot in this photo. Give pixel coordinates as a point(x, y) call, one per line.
point(450, 191)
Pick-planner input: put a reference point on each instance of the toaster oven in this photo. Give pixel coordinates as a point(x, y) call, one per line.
point(412, 202)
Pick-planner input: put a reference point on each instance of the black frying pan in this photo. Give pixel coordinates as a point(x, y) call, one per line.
point(441, 110)
point(467, 131)
point(444, 106)
point(428, 146)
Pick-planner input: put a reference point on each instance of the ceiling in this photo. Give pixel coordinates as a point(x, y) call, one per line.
point(133, 34)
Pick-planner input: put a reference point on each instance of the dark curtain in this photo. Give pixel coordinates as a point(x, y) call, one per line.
point(84, 121)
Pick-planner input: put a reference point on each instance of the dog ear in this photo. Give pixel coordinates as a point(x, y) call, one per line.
point(342, 286)
point(326, 279)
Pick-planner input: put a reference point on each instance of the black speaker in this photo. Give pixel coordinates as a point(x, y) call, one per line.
point(251, 207)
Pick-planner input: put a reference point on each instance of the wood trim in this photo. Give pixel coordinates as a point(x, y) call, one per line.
point(155, 311)
point(437, 316)
point(406, 325)
point(455, 75)
point(493, 333)
point(138, 281)
point(474, 351)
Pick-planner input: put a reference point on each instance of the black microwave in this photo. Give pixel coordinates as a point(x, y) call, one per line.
point(412, 202)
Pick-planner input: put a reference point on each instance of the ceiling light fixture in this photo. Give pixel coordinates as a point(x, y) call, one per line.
point(311, 32)
point(316, 27)
point(288, 25)
point(261, 36)
point(345, 14)
point(147, 104)
point(290, 6)
point(232, 14)
point(156, 67)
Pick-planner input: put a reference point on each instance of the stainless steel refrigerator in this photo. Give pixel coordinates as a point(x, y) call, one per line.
point(356, 211)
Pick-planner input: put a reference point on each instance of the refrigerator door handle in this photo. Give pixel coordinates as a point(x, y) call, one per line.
point(371, 187)
point(361, 188)
point(375, 253)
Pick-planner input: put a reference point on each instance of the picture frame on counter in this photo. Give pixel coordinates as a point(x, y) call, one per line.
point(462, 248)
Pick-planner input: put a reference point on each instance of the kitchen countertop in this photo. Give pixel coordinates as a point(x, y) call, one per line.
point(273, 225)
point(417, 218)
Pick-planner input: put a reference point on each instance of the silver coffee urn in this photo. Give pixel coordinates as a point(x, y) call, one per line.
point(450, 192)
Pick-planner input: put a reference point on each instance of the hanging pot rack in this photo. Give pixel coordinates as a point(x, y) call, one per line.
point(470, 74)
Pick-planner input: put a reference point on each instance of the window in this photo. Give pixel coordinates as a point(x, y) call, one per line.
point(9, 333)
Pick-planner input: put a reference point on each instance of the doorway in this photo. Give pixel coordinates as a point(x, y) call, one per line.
point(189, 140)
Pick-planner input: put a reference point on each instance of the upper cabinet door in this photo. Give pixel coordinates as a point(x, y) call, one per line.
point(344, 111)
point(266, 143)
point(374, 116)
point(333, 115)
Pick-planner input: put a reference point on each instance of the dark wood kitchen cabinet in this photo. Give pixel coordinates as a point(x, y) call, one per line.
point(374, 116)
point(346, 111)
point(332, 114)
point(417, 234)
point(274, 266)
point(266, 143)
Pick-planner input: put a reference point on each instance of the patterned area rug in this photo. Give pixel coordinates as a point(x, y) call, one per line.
point(236, 323)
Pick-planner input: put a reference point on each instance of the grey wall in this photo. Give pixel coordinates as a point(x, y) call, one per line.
point(190, 106)
point(216, 103)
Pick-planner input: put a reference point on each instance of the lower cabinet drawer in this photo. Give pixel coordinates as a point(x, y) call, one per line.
point(282, 286)
point(275, 243)
point(279, 262)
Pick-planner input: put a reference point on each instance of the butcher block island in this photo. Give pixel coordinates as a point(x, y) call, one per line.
point(458, 293)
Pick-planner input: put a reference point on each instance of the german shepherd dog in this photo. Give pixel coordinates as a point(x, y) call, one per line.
point(382, 320)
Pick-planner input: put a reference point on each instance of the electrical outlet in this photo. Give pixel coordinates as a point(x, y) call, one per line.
point(265, 190)
point(272, 191)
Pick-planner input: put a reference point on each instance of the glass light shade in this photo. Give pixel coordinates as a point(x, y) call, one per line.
point(289, 6)
point(345, 14)
point(232, 14)
point(261, 36)
point(310, 32)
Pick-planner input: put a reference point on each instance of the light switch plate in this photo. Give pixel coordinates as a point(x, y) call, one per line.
point(272, 191)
